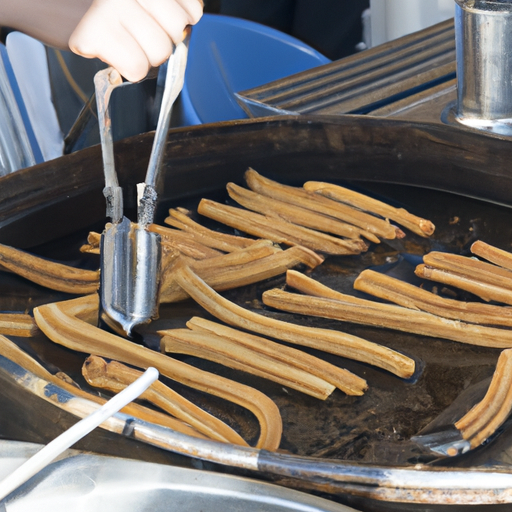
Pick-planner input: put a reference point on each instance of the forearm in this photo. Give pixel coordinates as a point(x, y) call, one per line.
point(130, 35)
point(50, 21)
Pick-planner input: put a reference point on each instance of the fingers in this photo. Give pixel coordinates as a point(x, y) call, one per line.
point(102, 34)
point(174, 15)
point(133, 35)
point(149, 35)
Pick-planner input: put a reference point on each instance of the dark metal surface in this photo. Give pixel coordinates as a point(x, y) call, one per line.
point(364, 82)
point(375, 156)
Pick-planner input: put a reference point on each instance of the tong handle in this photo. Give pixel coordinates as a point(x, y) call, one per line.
point(174, 81)
point(105, 81)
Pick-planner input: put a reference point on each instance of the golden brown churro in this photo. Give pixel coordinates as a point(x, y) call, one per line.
point(413, 297)
point(315, 202)
point(184, 242)
point(422, 227)
point(93, 243)
point(221, 274)
point(334, 342)
point(295, 214)
point(61, 323)
point(293, 357)
point(493, 254)
point(180, 218)
point(50, 274)
point(483, 279)
point(207, 345)
point(489, 414)
point(115, 376)
point(11, 351)
point(328, 303)
point(278, 230)
point(17, 324)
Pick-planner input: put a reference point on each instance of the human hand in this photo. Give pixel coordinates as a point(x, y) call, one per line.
point(133, 35)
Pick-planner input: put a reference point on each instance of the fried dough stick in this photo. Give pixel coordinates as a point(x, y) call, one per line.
point(328, 303)
point(184, 242)
point(493, 254)
point(487, 281)
point(65, 323)
point(234, 355)
point(172, 240)
point(17, 324)
point(315, 202)
point(422, 227)
point(190, 237)
point(180, 218)
point(50, 274)
point(413, 297)
point(93, 243)
point(115, 377)
point(489, 414)
point(11, 351)
point(291, 356)
point(333, 342)
point(210, 267)
point(260, 249)
point(296, 214)
point(239, 268)
point(278, 230)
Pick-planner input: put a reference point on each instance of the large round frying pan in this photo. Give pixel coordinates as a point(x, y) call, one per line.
point(459, 179)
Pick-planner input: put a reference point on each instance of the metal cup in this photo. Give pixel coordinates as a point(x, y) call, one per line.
point(483, 31)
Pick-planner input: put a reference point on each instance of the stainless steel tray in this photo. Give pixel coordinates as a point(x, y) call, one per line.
point(85, 482)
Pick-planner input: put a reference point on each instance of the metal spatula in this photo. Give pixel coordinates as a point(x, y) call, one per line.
point(130, 254)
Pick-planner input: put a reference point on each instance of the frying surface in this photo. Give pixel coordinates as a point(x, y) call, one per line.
point(63, 198)
point(374, 428)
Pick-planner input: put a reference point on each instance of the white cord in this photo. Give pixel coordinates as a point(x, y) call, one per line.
point(61, 443)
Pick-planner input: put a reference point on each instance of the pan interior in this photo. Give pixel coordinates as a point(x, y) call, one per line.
point(375, 428)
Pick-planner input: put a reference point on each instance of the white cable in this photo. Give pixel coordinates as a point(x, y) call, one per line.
point(61, 443)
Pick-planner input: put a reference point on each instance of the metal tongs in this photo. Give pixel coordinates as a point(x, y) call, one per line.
point(130, 254)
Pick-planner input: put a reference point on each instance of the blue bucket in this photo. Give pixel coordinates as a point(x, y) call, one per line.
point(228, 55)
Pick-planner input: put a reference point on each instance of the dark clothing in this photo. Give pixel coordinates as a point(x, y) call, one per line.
point(333, 27)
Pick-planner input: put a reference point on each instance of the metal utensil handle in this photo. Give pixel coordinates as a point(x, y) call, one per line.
point(174, 80)
point(105, 81)
point(69, 437)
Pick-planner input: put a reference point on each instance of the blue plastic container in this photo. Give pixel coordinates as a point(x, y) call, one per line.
point(228, 55)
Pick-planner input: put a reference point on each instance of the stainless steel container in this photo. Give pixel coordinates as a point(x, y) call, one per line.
point(483, 31)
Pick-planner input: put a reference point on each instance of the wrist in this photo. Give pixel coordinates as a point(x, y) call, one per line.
point(51, 21)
